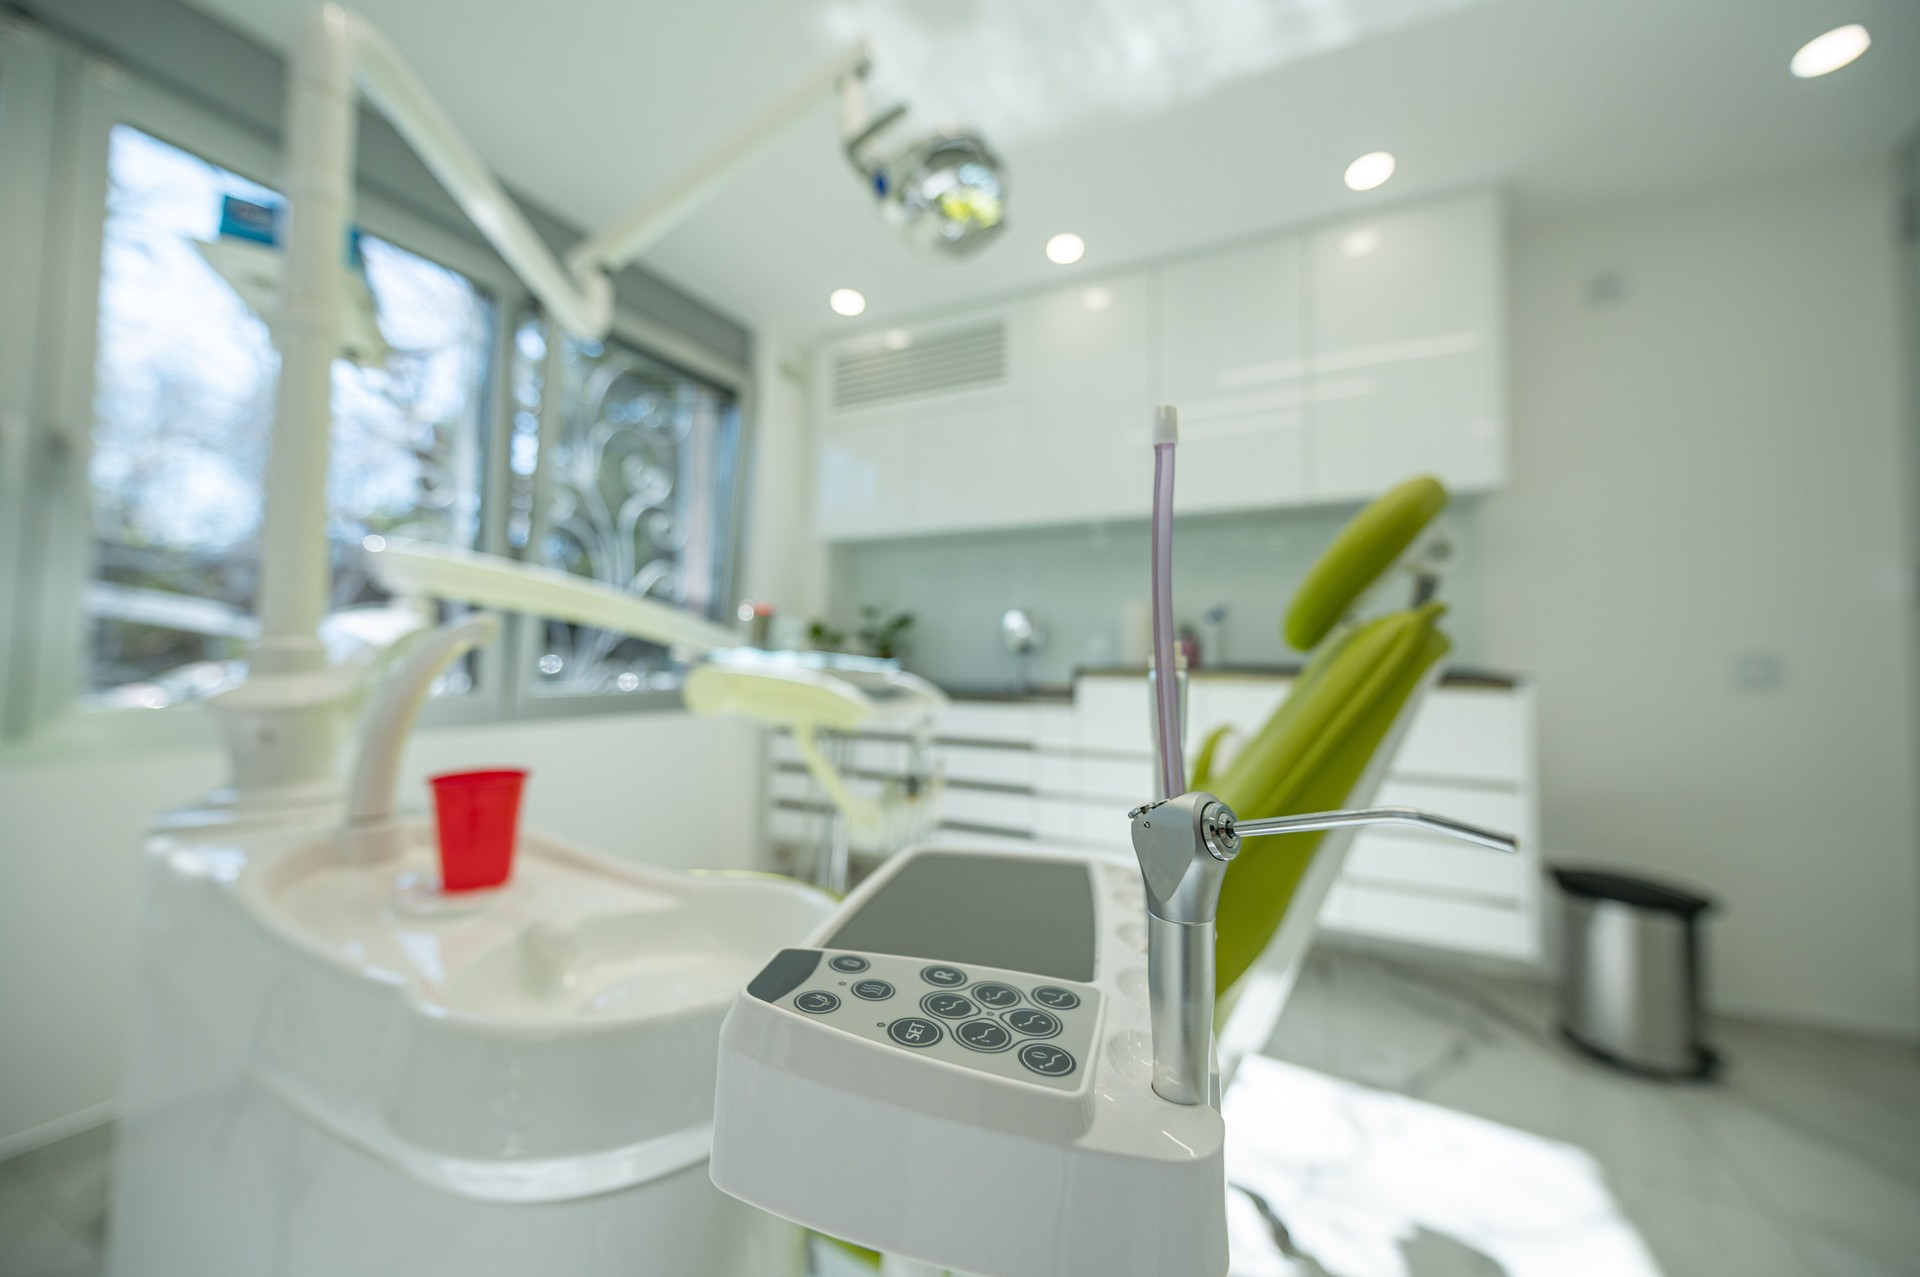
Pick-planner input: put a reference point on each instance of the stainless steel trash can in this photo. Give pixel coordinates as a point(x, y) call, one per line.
point(1630, 973)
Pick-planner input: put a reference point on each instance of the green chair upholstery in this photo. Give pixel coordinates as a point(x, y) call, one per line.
point(1318, 745)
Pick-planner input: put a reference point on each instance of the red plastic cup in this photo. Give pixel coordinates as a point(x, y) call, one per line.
point(478, 819)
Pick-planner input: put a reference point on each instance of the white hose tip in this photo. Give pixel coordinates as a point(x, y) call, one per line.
point(1166, 424)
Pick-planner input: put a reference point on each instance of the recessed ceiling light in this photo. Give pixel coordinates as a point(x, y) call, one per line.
point(1066, 248)
point(1369, 171)
point(847, 301)
point(1831, 51)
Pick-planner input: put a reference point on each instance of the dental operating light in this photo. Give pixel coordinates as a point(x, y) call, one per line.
point(945, 192)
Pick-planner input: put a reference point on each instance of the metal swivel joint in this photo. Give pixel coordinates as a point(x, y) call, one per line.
point(1183, 845)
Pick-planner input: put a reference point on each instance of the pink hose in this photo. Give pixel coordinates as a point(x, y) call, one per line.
point(1173, 768)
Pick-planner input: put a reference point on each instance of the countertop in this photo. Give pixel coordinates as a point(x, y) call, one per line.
point(1062, 693)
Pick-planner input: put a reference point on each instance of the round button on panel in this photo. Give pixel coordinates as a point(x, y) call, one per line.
point(848, 963)
point(996, 996)
point(984, 1035)
point(1047, 1060)
point(816, 1002)
point(913, 1031)
point(944, 977)
point(1034, 1024)
point(872, 990)
point(948, 1006)
point(1059, 999)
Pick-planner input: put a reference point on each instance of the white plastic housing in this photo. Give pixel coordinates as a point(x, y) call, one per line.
point(337, 1068)
point(971, 1168)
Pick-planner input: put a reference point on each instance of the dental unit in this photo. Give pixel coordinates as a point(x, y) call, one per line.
point(335, 1059)
point(1004, 1063)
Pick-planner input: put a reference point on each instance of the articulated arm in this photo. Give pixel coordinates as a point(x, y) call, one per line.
point(1184, 845)
point(290, 717)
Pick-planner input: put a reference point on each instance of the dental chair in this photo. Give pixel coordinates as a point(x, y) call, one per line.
point(1326, 747)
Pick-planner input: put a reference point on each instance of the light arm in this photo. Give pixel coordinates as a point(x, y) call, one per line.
point(580, 301)
point(485, 580)
point(634, 231)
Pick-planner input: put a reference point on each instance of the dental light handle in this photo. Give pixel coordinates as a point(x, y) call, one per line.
point(1184, 845)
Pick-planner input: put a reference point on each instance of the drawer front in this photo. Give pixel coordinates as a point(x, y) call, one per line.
point(1466, 926)
point(1377, 857)
point(1468, 733)
point(985, 807)
point(1244, 705)
point(986, 765)
point(986, 721)
point(1127, 782)
point(1110, 716)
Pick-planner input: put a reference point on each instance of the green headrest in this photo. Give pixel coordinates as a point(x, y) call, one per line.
point(1365, 548)
point(1309, 757)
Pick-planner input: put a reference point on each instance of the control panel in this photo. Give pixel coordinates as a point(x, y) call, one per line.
point(1011, 1024)
point(957, 1068)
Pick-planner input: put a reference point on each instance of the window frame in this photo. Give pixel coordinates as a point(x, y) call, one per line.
point(30, 66)
point(46, 558)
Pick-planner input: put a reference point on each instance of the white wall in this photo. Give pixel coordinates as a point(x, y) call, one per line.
point(784, 565)
point(70, 834)
point(1709, 477)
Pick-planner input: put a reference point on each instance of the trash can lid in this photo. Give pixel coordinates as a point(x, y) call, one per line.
point(1642, 893)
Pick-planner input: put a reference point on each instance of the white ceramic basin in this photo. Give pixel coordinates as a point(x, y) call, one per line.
point(573, 941)
point(547, 1040)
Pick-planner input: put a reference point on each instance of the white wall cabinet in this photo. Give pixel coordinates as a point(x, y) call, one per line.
point(922, 429)
point(1308, 368)
point(1231, 347)
point(1092, 363)
point(1403, 350)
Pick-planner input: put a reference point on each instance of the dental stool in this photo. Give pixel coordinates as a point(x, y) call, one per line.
point(1326, 746)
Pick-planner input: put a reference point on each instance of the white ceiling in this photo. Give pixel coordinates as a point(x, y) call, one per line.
point(1151, 127)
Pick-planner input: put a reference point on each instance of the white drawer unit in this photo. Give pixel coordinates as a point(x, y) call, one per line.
point(1064, 772)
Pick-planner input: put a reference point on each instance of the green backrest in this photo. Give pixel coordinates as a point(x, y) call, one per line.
point(1318, 745)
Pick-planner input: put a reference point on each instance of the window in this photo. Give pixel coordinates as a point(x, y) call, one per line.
point(641, 493)
point(184, 371)
point(129, 561)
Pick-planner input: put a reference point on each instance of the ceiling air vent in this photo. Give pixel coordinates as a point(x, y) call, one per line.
point(956, 359)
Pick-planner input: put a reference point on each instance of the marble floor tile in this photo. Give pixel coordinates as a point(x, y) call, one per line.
point(1802, 1159)
point(69, 1180)
point(32, 1242)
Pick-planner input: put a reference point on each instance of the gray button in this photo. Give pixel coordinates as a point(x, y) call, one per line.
point(1035, 1024)
point(872, 990)
point(948, 1006)
point(1059, 999)
point(913, 1031)
point(1046, 1060)
point(848, 963)
point(816, 1002)
point(984, 1035)
point(997, 996)
point(945, 977)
